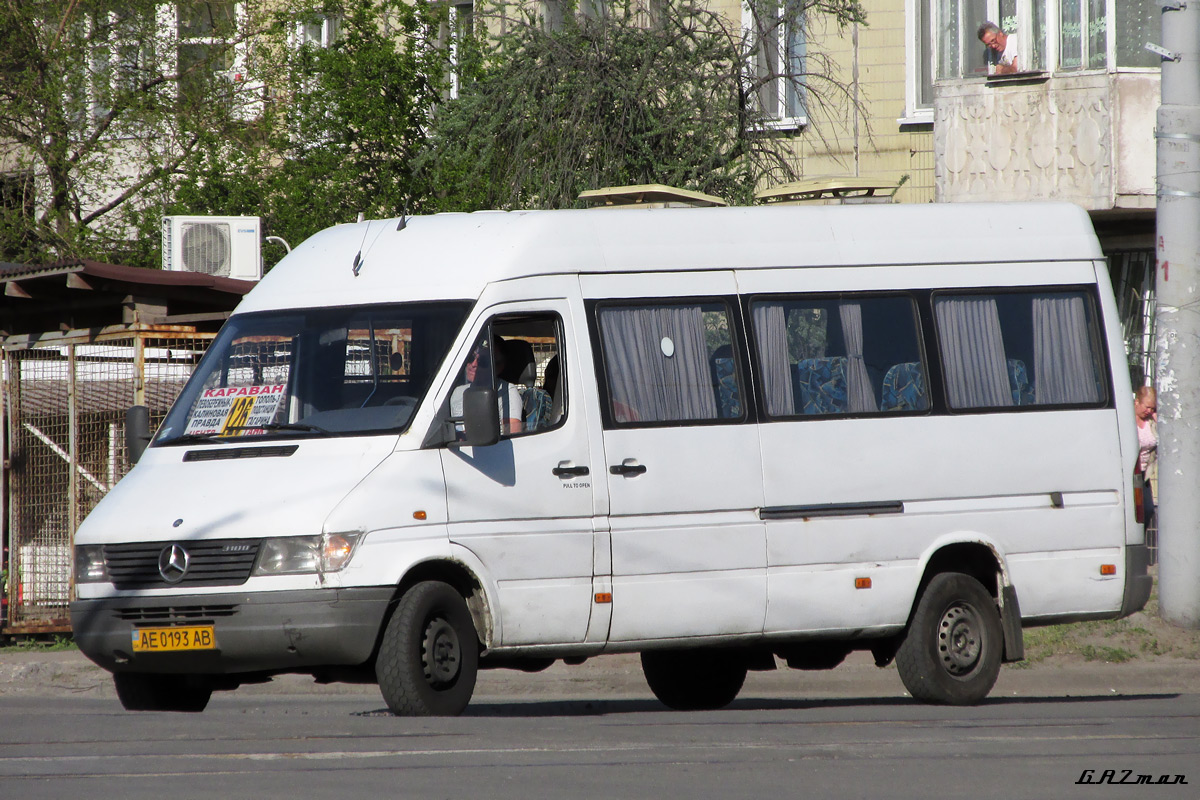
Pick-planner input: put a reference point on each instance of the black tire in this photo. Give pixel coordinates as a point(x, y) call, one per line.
point(147, 692)
point(952, 650)
point(694, 680)
point(429, 655)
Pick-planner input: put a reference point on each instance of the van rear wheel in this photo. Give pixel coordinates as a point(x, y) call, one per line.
point(952, 651)
point(694, 680)
point(429, 656)
point(150, 692)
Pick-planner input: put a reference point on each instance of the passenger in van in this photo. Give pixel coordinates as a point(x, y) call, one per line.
point(473, 375)
point(1145, 408)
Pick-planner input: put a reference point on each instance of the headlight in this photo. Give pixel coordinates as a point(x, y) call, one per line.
point(289, 555)
point(297, 554)
point(89, 564)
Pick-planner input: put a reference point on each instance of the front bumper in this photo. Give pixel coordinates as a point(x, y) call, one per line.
point(293, 631)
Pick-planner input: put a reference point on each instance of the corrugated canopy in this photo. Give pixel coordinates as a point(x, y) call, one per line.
point(75, 295)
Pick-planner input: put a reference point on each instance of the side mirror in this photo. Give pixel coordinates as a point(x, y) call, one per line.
point(137, 432)
point(481, 417)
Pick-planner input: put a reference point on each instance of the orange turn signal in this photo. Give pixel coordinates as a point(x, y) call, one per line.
point(1108, 569)
point(862, 583)
point(419, 515)
point(603, 597)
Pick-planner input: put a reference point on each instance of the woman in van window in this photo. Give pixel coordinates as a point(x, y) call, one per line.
point(1145, 408)
point(509, 396)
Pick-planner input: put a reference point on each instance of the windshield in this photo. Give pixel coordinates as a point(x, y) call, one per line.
point(314, 372)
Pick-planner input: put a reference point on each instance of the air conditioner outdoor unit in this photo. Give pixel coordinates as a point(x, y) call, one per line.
point(224, 246)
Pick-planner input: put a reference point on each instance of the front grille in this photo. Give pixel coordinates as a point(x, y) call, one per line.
point(174, 615)
point(223, 562)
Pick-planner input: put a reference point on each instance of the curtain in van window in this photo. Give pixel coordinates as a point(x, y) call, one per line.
point(770, 333)
point(644, 383)
point(1063, 362)
point(973, 352)
point(861, 396)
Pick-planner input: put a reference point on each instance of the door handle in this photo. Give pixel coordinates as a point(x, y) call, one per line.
point(628, 470)
point(568, 472)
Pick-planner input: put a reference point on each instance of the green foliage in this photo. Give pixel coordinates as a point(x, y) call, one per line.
point(40, 643)
point(107, 123)
point(96, 115)
point(630, 98)
point(606, 102)
point(342, 132)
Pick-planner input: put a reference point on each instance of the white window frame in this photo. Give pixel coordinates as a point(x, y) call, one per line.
point(451, 38)
point(917, 112)
point(251, 97)
point(330, 27)
point(916, 23)
point(781, 120)
point(1084, 15)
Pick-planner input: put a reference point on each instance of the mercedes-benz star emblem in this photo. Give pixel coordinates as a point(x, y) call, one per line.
point(173, 563)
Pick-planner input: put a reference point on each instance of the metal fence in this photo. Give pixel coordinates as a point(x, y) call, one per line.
point(1133, 282)
point(65, 402)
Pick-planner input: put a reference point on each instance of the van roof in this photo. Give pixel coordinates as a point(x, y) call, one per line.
point(454, 256)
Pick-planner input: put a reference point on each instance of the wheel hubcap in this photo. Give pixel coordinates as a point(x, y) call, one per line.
point(959, 641)
point(441, 655)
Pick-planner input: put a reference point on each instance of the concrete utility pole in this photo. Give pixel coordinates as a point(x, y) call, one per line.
point(1178, 284)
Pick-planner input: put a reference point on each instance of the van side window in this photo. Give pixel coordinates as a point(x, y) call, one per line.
point(1020, 349)
point(839, 355)
point(528, 376)
point(670, 362)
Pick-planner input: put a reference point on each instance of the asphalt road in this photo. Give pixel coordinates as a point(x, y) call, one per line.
point(596, 732)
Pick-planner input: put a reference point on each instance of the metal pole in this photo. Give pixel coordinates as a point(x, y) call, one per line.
point(1178, 282)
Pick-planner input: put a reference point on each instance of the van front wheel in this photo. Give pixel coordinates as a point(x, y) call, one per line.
point(952, 651)
point(139, 691)
point(429, 655)
point(694, 680)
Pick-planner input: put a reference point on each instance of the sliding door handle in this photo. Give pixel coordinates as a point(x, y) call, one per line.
point(627, 469)
point(564, 471)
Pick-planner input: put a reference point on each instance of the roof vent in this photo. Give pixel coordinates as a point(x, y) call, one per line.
point(830, 190)
point(648, 195)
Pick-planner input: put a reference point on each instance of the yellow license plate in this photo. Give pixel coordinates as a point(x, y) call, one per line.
point(166, 640)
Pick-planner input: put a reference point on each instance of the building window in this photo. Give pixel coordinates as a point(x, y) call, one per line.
point(953, 28)
point(1137, 23)
point(778, 60)
point(458, 36)
point(918, 22)
point(1083, 34)
point(318, 30)
point(204, 49)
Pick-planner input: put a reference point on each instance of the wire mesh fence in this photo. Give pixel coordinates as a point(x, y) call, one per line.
point(65, 417)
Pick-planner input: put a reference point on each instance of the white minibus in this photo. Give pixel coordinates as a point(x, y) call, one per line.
point(726, 439)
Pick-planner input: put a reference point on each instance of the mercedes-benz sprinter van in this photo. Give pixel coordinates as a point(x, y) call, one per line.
point(723, 438)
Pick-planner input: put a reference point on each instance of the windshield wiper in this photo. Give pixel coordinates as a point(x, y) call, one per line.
point(193, 438)
point(281, 426)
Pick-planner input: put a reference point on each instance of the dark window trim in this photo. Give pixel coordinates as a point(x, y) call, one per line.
point(919, 332)
point(738, 343)
point(487, 329)
point(560, 335)
point(1096, 334)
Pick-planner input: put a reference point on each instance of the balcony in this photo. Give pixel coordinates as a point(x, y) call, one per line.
point(1086, 137)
